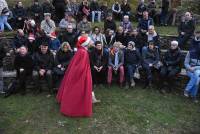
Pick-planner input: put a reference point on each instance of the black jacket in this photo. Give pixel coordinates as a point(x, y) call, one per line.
point(2, 54)
point(43, 61)
point(125, 8)
point(47, 7)
point(36, 9)
point(19, 12)
point(139, 42)
point(23, 62)
point(187, 27)
point(58, 3)
point(172, 58)
point(110, 25)
point(70, 38)
point(132, 57)
point(19, 41)
point(98, 58)
point(63, 58)
point(120, 37)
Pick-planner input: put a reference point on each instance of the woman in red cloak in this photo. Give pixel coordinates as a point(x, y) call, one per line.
point(75, 93)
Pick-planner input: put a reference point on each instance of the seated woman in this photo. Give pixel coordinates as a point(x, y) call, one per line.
point(133, 60)
point(116, 63)
point(99, 61)
point(150, 62)
point(23, 64)
point(192, 65)
point(171, 66)
point(152, 35)
point(62, 60)
point(108, 39)
point(97, 35)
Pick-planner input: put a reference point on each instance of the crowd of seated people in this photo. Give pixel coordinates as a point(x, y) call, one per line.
point(119, 52)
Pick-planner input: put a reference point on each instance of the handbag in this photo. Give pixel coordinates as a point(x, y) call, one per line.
point(136, 74)
point(158, 65)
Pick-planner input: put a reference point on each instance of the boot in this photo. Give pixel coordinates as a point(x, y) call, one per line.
point(127, 85)
point(94, 100)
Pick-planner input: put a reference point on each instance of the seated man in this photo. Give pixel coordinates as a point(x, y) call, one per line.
point(116, 63)
point(133, 60)
point(95, 9)
point(2, 55)
point(19, 14)
point(126, 24)
point(99, 61)
point(171, 67)
point(23, 64)
point(62, 59)
point(186, 29)
point(151, 59)
point(84, 25)
point(67, 20)
point(19, 40)
point(192, 65)
point(125, 8)
point(109, 23)
point(47, 25)
point(144, 23)
point(44, 61)
point(69, 36)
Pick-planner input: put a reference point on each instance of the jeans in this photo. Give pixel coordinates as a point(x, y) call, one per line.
point(130, 72)
point(98, 15)
point(121, 73)
point(1, 80)
point(193, 84)
point(4, 21)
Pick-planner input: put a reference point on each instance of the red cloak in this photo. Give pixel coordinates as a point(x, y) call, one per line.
point(75, 92)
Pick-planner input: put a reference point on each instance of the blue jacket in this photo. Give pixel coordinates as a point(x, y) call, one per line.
point(144, 24)
point(54, 44)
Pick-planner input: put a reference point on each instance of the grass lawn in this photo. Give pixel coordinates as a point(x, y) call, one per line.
point(133, 111)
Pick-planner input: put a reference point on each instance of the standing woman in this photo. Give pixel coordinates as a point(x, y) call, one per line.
point(75, 93)
point(4, 13)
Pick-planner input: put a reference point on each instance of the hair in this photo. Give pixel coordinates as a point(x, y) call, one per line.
point(65, 44)
point(98, 42)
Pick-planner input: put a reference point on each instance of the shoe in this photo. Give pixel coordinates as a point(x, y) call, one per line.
point(94, 100)
point(132, 83)
point(194, 99)
point(186, 94)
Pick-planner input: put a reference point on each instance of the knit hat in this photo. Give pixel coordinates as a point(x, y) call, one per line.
point(174, 42)
point(83, 41)
point(31, 36)
point(47, 14)
point(131, 43)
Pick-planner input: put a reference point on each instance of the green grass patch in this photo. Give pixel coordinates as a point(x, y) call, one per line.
point(121, 111)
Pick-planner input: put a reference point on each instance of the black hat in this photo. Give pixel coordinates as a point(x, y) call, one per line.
point(44, 43)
